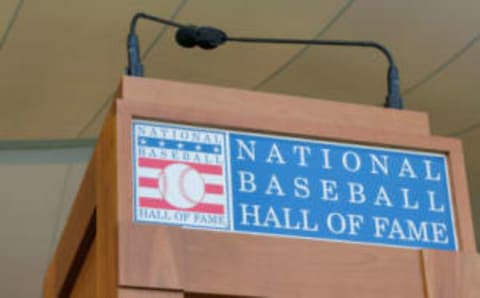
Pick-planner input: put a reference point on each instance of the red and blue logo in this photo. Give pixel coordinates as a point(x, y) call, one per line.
point(180, 175)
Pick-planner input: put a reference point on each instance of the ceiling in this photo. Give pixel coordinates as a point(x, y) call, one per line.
point(61, 60)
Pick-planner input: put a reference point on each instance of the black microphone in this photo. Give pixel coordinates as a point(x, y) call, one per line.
point(207, 38)
point(210, 38)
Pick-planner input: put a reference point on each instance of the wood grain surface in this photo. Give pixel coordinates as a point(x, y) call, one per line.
point(253, 266)
point(106, 197)
point(220, 99)
point(144, 293)
point(97, 197)
point(154, 261)
point(73, 234)
point(452, 274)
point(284, 115)
point(85, 285)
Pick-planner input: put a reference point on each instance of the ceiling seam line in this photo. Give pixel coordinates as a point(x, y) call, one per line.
point(11, 22)
point(53, 144)
point(110, 98)
point(160, 34)
point(465, 130)
point(299, 53)
point(99, 111)
point(443, 66)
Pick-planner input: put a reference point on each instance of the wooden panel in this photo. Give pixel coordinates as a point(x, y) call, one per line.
point(73, 234)
point(196, 295)
point(202, 113)
point(85, 285)
point(452, 274)
point(106, 196)
point(143, 293)
point(97, 195)
point(471, 269)
point(97, 192)
point(80, 214)
point(192, 96)
point(462, 207)
point(49, 281)
point(253, 266)
point(275, 267)
point(173, 260)
point(151, 255)
point(272, 267)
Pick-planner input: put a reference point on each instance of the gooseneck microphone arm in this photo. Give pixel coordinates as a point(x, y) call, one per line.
point(135, 66)
point(210, 38)
point(393, 100)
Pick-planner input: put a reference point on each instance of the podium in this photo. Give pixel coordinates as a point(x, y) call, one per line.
point(105, 251)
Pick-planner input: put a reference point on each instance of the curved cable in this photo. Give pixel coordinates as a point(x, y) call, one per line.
point(348, 43)
point(141, 15)
point(393, 98)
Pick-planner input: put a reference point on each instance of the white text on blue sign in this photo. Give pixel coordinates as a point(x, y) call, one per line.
point(290, 187)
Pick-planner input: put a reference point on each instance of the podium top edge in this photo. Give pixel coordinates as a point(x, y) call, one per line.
point(360, 115)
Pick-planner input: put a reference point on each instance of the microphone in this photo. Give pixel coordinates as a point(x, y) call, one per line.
point(208, 38)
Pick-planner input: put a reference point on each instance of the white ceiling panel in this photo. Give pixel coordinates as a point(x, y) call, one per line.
point(7, 13)
point(421, 34)
point(235, 65)
point(451, 98)
point(62, 59)
point(240, 65)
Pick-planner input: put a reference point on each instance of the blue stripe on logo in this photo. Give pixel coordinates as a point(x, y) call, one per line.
point(179, 145)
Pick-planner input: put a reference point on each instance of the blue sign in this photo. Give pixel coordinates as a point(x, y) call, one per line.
point(290, 187)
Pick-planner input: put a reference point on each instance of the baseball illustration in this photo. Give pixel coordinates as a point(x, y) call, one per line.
point(181, 186)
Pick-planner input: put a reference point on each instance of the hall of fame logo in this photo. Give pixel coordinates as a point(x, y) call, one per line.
point(180, 175)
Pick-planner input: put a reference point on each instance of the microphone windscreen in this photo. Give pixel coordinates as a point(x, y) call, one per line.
point(186, 36)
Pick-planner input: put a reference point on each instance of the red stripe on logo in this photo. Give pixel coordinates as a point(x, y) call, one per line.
point(162, 204)
point(148, 182)
point(214, 189)
point(160, 164)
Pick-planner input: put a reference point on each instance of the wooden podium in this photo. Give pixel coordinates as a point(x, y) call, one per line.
point(104, 253)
